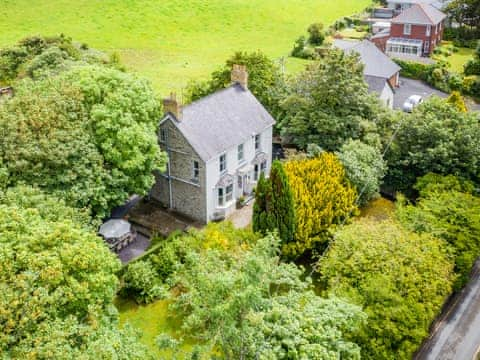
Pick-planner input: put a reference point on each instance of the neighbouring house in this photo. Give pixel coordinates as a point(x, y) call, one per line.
point(381, 73)
point(401, 5)
point(415, 32)
point(217, 147)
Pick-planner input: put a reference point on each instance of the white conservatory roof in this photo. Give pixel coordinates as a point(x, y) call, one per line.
point(404, 41)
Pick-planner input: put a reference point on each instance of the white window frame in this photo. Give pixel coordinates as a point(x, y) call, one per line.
point(222, 163)
point(428, 30)
point(195, 170)
point(258, 143)
point(263, 167)
point(256, 172)
point(228, 194)
point(225, 195)
point(405, 27)
point(241, 153)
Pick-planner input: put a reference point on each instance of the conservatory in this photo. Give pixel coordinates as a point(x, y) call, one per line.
point(404, 46)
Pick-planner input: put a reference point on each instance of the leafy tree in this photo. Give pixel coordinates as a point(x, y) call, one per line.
point(465, 12)
point(87, 135)
point(329, 103)
point(57, 283)
point(275, 208)
point(264, 77)
point(365, 168)
point(316, 36)
point(401, 280)
point(438, 138)
point(249, 305)
point(323, 199)
point(447, 210)
point(456, 100)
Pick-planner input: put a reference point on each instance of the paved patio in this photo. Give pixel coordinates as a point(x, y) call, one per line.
point(242, 218)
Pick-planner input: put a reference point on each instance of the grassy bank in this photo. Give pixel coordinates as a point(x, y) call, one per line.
point(173, 41)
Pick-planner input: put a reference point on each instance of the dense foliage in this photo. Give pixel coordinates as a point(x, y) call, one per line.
point(57, 284)
point(248, 305)
point(87, 135)
point(465, 12)
point(399, 278)
point(323, 198)
point(264, 79)
point(329, 103)
point(447, 209)
point(274, 206)
point(365, 168)
point(438, 138)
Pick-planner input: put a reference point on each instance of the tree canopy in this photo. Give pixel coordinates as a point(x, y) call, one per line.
point(329, 104)
point(249, 305)
point(57, 283)
point(323, 199)
point(400, 279)
point(87, 134)
point(437, 138)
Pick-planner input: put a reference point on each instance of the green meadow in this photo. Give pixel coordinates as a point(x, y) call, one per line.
point(174, 41)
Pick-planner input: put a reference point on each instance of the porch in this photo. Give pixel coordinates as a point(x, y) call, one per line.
point(403, 46)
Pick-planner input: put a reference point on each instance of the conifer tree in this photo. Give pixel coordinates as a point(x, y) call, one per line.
point(274, 206)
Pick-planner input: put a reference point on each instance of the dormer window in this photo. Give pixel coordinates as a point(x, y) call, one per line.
point(257, 142)
point(223, 163)
point(407, 29)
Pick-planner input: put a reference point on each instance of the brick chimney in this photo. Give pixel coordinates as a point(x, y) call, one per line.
point(240, 76)
point(171, 105)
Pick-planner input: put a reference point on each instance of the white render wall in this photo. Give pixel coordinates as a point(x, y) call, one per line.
point(387, 96)
point(213, 168)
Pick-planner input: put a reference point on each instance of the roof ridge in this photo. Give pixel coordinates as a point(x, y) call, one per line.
point(423, 10)
point(203, 98)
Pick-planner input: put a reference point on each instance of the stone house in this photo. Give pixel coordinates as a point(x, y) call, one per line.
point(381, 73)
point(415, 32)
point(217, 148)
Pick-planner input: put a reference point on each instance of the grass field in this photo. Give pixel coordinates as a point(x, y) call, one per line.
point(173, 41)
point(458, 59)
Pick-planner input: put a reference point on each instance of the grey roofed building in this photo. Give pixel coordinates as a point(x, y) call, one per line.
point(217, 149)
point(376, 63)
point(375, 84)
point(216, 122)
point(421, 14)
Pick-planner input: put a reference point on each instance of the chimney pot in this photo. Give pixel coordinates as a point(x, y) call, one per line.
point(240, 75)
point(172, 106)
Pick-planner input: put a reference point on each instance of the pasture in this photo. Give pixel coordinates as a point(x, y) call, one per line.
point(173, 41)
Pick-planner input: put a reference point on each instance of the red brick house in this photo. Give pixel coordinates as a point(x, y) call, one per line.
point(415, 32)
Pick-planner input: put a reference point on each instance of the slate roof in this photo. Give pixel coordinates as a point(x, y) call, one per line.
point(375, 84)
point(376, 63)
point(222, 120)
point(420, 14)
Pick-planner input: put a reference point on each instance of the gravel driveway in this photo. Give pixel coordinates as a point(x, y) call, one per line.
point(416, 87)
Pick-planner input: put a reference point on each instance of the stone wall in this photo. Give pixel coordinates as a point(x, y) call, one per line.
point(188, 194)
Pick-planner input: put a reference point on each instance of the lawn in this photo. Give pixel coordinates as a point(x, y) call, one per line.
point(173, 41)
point(151, 320)
point(458, 59)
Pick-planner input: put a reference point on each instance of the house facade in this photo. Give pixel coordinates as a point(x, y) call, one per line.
point(415, 32)
point(382, 75)
point(217, 146)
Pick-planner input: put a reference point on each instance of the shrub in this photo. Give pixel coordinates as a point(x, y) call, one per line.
point(399, 278)
point(364, 167)
point(323, 199)
point(448, 211)
point(142, 282)
point(316, 34)
point(455, 99)
point(413, 70)
point(472, 67)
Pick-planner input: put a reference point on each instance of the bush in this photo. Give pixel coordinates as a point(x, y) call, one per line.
point(323, 199)
point(141, 281)
point(472, 67)
point(471, 86)
point(364, 167)
point(399, 278)
point(316, 34)
point(414, 70)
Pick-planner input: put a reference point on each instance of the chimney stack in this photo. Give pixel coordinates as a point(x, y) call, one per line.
point(172, 106)
point(240, 75)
